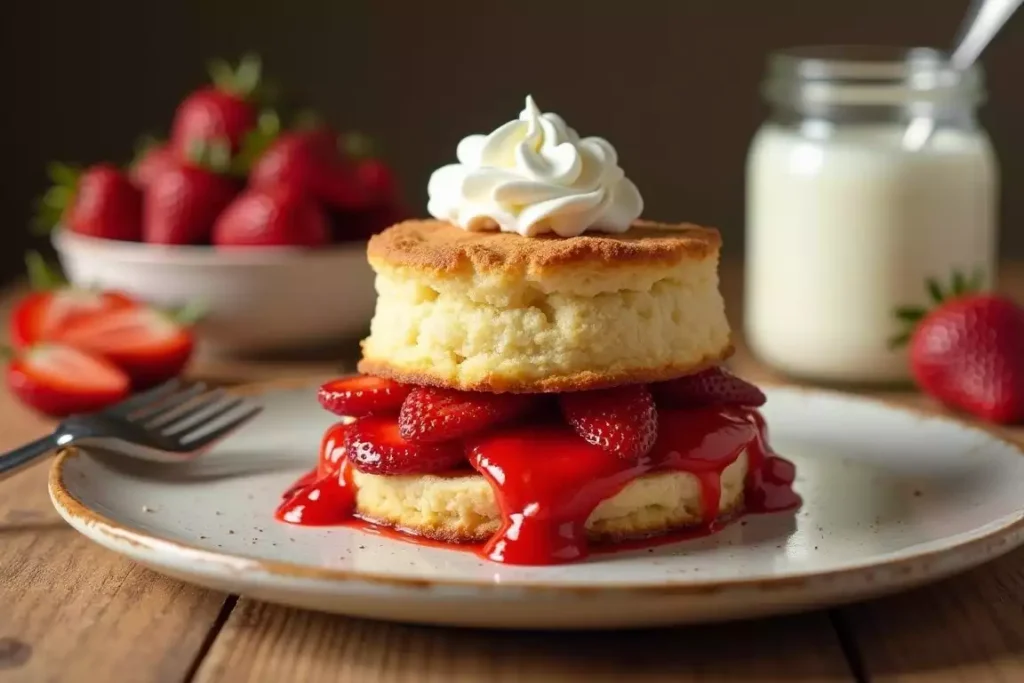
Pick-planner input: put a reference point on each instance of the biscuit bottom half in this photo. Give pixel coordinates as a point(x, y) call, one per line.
point(462, 508)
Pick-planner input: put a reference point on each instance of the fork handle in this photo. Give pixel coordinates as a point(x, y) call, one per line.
point(20, 458)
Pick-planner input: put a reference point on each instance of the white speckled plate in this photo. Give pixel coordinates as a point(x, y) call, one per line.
point(892, 499)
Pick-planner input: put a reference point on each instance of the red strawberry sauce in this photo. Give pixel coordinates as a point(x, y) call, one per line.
point(548, 481)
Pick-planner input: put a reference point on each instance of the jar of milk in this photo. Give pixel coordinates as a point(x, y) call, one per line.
point(846, 221)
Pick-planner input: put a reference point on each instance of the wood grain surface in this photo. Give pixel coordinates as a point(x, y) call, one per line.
point(266, 643)
point(71, 611)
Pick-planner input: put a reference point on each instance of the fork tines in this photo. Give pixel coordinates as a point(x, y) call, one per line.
point(190, 415)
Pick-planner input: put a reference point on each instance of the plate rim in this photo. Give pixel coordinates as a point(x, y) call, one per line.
point(992, 543)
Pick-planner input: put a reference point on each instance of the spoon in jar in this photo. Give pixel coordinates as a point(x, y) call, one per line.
point(983, 21)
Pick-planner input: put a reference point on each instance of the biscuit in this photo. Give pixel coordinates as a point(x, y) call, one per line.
point(462, 508)
point(499, 312)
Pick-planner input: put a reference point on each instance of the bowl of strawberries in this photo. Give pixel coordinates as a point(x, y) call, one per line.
point(260, 224)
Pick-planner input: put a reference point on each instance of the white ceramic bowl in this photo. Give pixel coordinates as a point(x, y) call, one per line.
point(256, 300)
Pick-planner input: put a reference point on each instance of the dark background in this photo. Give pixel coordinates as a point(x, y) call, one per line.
point(673, 84)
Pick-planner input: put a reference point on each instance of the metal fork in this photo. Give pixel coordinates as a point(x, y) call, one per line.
point(169, 423)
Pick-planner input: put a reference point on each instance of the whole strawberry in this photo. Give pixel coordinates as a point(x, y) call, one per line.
point(297, 160)
point(225, 110)
point(377, 181)
point(335, 170)
point(310, 162)
point(968, 352)
point(276, 216)
point(152, 159)
point(374, 178)
point(100, 201)
point(183, 201)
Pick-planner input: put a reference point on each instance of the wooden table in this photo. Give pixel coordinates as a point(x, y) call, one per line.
point(72, 611)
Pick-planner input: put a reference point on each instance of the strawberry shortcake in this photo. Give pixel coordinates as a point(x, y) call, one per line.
point(543, 371)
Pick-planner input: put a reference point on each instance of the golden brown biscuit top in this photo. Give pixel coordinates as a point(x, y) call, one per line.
point(441, 246)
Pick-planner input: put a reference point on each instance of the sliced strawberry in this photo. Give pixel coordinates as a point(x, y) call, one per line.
point(622, 420)
point(375, 446)
point(430, 415)
point(362, 395)
point(60, 380)
point(716, 386)
point(146, 343)
point(332, 450)
point(54, 303)
point(40, 315)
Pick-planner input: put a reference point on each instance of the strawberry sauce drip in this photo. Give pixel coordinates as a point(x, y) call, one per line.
point(326, 495)
point(769, 485)
point(548, 481)
point(319, 501)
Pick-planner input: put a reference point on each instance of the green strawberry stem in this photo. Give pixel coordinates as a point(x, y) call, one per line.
point(41, 275)
point(242, 80)
point(357, 146)
point(245, 81)
point(60, 195)
point(256, 142)
point(63, 174)
point(212, 155)
point(910, 316)
point(143, 146)
point(189, 314)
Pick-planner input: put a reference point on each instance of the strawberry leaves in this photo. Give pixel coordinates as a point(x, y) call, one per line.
point(242, 81)
point(58, 197)
point(960, 284)
point(256, 142)
point(211, 155)
point(42, 275)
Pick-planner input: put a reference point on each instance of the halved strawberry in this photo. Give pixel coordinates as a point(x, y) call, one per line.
point(60, 380)
point(40, 315)
point(55, 304)
point(375, 446)
point(716, 386)
point(622, 420)
point(146, 343)
point(430, 415)
point(362, 395)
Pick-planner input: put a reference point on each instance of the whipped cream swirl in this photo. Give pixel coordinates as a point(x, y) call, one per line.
point(535, 175)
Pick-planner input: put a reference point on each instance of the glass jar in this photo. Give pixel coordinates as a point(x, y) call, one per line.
point(845, 222)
